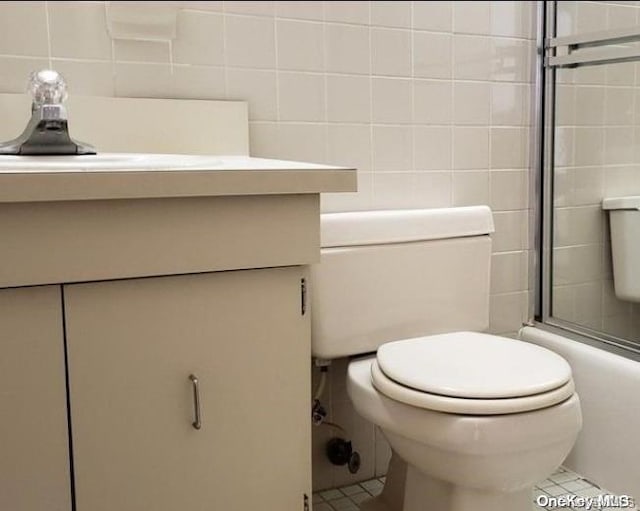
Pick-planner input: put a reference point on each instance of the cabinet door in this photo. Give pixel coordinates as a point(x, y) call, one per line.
point(132, 347)
point(34, 453)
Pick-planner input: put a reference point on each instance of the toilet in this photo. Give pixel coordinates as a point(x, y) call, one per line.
point(473, 420)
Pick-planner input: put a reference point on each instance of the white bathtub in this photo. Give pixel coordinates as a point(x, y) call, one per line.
point(608, 448)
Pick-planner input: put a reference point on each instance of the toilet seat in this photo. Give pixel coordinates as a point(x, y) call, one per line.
point(471, 373)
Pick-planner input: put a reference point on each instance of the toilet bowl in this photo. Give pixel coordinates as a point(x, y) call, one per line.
point(485, 455)
point(473, 420)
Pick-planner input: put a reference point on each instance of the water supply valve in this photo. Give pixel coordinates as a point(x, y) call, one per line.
point(318, 413)
point(340, 452)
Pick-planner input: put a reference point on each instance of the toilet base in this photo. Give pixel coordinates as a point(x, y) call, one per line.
point(407, 489)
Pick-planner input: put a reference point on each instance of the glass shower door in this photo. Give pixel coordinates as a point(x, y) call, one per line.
point(592, 147)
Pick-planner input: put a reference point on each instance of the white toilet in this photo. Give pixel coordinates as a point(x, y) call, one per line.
point(473, 420)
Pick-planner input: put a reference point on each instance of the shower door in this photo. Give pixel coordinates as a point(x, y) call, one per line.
point(589, 113)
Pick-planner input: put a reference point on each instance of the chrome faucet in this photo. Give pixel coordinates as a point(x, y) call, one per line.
point(47, 132)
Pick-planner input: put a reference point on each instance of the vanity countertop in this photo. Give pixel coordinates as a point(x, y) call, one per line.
point(140, 176)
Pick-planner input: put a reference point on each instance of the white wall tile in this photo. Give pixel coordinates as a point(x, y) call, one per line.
point(349, 145)
point(143, 80)
point(432, 102)
point(255, 8)
point(87, 78)
point(141, 51)
point(347, 11)
point(302, 142)
point(392, 148)
point(586, 186)
point(472, 17)
point(436, 16)
point(589, 16)
point(348, 98)
point(300, 10)
point(250, 42)
point(577, 264)
point(79, 30)
point(509, 272)
point(471, 188)
point(198, 82)
point(471, 104)
point(470, 148)
point(511, 60)
point(300, 45)
point(508, 312)
point(432, 189)
point(347, 49)
point(264, 140)
point(589, 106)
point(512, 231)
point(391, 52)
point(589, 146)
point(301, 97)
point(202, 6)
point(618, 106)
point(578, 226)
point(256, 86)
point(393, 190)
point(431, 55)
point(23, 29)
point(472, 57)
point(620, 74)
point(509, 148)
point(512, 19)
point(196, 31)
point(619, 145)
point(391, 100)
point(15, 72)
point(509, 190)
point(510, 104)
point(163, 81)
point(432, 148)
point(396, 13)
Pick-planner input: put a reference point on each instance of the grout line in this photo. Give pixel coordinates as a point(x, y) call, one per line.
point(225, 62)
point(373, 165)
point(48, 25)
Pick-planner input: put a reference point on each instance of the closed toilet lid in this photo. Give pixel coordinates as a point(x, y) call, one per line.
point(462, 406)
point(470, 365)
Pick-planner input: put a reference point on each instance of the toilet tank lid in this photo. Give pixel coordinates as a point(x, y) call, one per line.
point(622, 203)
point(398, 226)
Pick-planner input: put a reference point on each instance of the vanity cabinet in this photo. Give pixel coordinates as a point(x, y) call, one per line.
point(34, 453)
point(117, 291)
point(133, 346)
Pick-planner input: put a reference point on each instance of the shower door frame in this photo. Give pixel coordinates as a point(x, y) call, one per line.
point(548, 58)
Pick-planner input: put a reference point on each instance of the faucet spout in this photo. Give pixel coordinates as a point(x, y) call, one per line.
point(47, 132)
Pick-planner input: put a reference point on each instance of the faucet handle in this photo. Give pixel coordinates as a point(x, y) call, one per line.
point(47, 87)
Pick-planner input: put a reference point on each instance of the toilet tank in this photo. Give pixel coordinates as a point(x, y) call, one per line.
point(624, 222)
point(388, 275)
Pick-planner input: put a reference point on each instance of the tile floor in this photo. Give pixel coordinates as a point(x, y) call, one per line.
point(563, 482)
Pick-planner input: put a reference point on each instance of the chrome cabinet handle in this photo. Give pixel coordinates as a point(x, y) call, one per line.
point(197, 423)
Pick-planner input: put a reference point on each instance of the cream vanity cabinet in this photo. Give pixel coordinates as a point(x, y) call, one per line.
point(155, 338)
point(34, 456)
point(145, 436)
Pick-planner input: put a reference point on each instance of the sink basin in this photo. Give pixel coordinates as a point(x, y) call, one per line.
point(112, 162)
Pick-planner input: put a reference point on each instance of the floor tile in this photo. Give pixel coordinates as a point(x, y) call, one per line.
point(350, 490)
point(563, 482)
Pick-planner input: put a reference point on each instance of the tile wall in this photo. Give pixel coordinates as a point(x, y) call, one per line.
point(428, 99)
point(597, 156)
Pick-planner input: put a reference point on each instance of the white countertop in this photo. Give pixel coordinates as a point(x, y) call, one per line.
point(129, 175)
